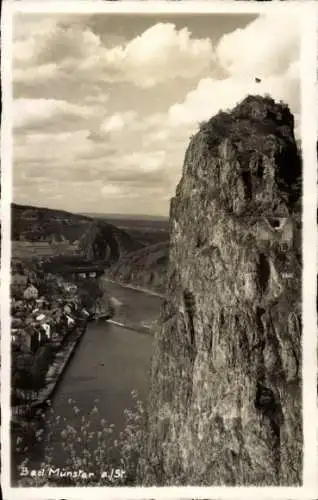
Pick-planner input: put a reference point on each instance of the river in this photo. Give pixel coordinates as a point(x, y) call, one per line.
point(109, 362)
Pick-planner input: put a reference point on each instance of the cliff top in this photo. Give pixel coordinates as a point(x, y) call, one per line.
point(250, 150)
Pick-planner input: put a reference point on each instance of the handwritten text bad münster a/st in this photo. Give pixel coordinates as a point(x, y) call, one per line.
point(57, 472)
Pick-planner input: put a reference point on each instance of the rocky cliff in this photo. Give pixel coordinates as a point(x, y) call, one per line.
point(145, 268)
point(225, 404)
point(105, 242)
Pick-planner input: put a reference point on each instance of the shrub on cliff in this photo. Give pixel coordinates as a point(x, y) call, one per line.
point(256, 121)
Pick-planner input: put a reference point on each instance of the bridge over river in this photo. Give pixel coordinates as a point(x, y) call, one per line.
point(74, 266)
point(109, 362)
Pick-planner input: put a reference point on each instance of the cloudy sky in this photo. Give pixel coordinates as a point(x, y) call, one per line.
point(104, 105)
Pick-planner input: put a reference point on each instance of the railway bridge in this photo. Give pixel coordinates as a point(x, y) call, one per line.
point(74, 267)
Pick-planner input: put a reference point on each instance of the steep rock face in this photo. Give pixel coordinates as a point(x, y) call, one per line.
point(225, 404)
point(105, 242)
point(145, 267)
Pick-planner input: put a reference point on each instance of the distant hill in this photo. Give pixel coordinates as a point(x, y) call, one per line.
point(147, 230)
point(126, 217)
point(66, 233)
point(44, 224)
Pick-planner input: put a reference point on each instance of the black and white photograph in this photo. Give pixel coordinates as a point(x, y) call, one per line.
point(156, 249)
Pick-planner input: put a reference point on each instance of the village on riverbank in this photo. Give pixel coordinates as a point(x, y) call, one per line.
point(49, 314)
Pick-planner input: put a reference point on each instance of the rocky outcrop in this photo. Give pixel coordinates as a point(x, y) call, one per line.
point(145, 268)
point(105, 242)
point(225, 404)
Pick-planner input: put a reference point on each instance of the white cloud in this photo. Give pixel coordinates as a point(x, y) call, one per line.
point(266, 47)
point(33, 75)
point(144, 161)
point(41, 112)
point(110, 190)
point(48, 148)
point(117, 121)
point(211, 96)
point(159, 54)
point(98, 99)
point(54, 41)
point(159, 135)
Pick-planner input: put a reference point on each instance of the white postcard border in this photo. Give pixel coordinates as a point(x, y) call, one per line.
point(308, 19)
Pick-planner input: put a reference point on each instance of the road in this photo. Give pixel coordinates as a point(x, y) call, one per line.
point(108, 364)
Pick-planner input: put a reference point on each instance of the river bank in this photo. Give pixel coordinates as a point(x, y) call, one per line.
point(134, 287)
point(54, 374)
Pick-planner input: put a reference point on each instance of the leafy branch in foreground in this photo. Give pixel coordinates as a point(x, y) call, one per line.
point(94, 456)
